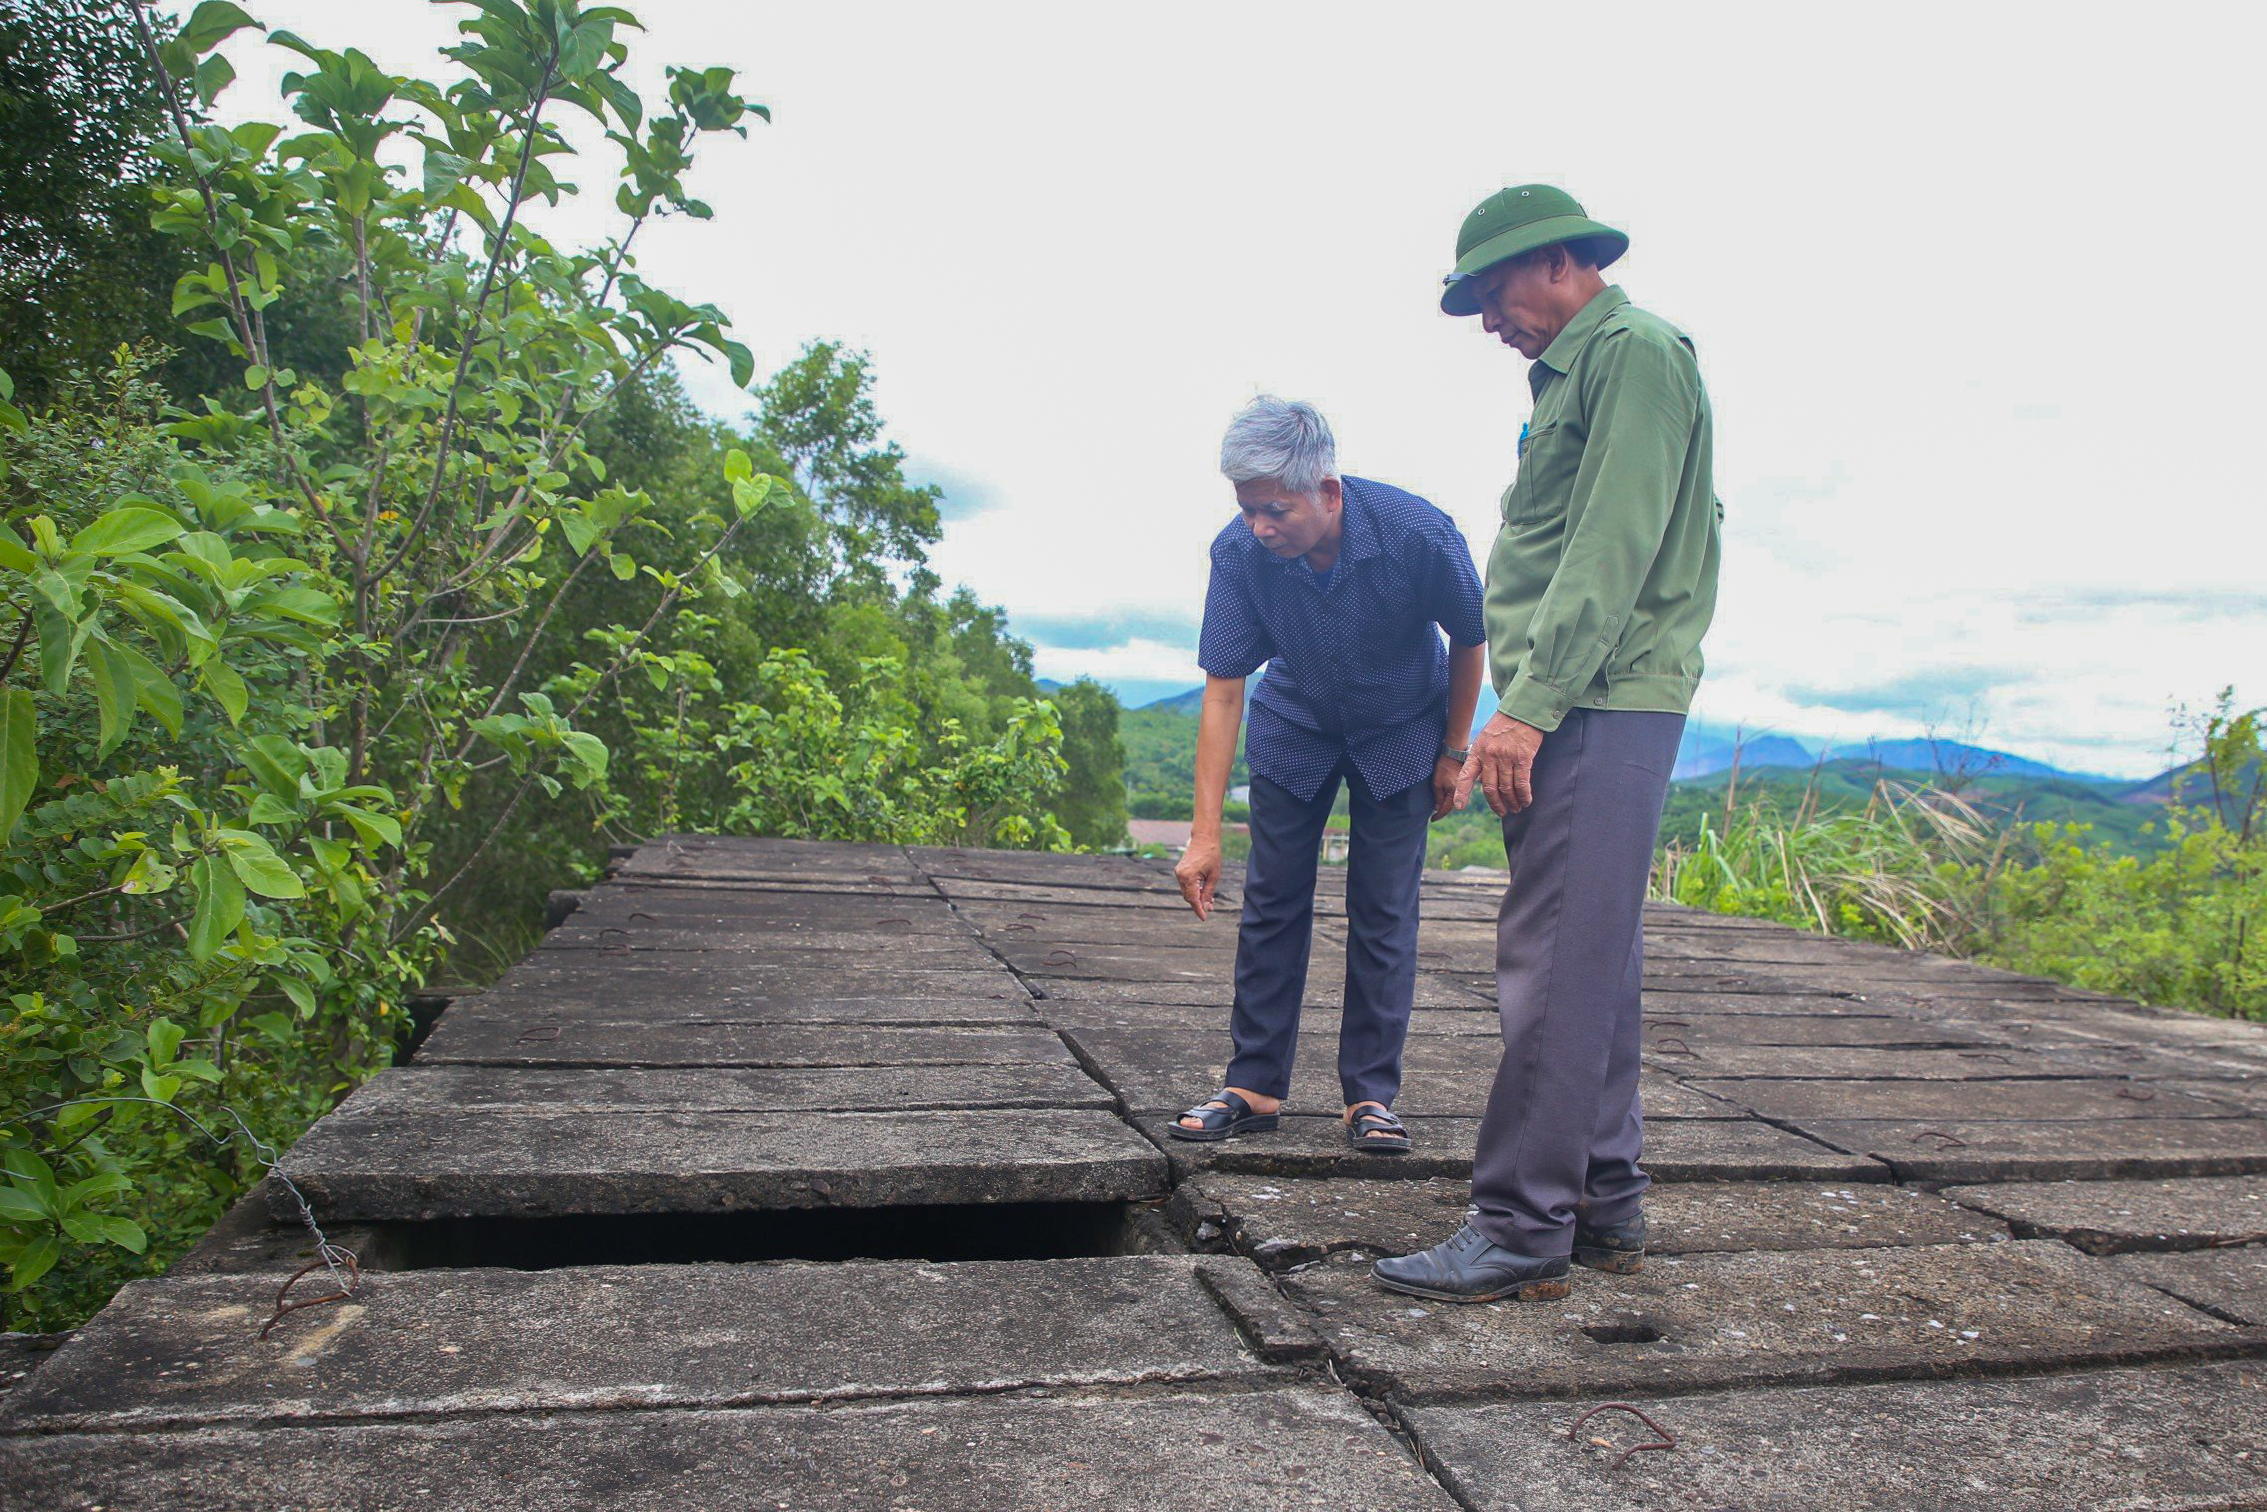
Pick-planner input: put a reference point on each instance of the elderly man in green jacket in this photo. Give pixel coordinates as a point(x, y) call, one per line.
point(1599, 588)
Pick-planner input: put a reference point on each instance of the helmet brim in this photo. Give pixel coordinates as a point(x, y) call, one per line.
point(1460, 297)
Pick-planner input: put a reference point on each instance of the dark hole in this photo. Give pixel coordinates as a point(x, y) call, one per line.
point(1624, 1331)
point(976, 1231)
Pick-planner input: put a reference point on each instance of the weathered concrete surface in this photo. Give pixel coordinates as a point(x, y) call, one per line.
point(1156, 1070)
point(1867, 1063)
point(723, 1004)
point(1706, 1031)
point(2007, 1150)
point(445, 1091)
point(21, 1354)
point(1703, 1321)
point(536, 1164)
point(2157, 1440)
point(1676, 1149)
point(2108, 1217)
point(1287, 1221)
point(2228, 1283)
point(1286, 1450)
point(748, 1028)
point(1215, 990)
point(549, 1041)
point(2102, 1098)
point(179, 1352)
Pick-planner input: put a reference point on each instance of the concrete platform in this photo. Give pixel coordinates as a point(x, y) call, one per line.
point(570, 1202)
point(2137, 1440)
point(1676, 1149)
point(2109, 1217)
point(1290, 1221)
point(1719, 1321)
point(1291, 1449)
point(527, 1165)
point(176, 1352)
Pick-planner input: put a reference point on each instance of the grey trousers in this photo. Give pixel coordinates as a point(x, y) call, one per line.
point(1563, 1128)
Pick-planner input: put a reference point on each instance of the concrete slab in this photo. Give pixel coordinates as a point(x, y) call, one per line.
point(539, 1164)
point(495, 1040)
point(1856, 1063)
point(721, 1004)
point(1720, 1321)
point(1799, 1101)
point(2227, 1283)
point(183, 1352)
point(1705, 1032)
point(1158, 1071)
point(1207, 1019)
point(1680, 1002)
point(1322, 993)
point(443, 1091)
point(663, 973)
point(2008, 1150)
point(1028, 895)
point(1277, 1450)
point(858, 939)
point(23, 1353)
point(2109, 1217)
point(1287, 1221)
point(1676, 1149)
point(2163, 1440)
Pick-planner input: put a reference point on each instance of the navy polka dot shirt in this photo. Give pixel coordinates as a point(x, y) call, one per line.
point(1355, 666)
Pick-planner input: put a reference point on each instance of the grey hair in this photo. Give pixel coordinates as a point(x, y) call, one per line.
point(1283, 440)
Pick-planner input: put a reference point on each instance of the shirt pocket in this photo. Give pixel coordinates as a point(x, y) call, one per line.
point(1547, 460)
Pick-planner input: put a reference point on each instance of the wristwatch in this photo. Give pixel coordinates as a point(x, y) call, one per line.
point(1459, 757)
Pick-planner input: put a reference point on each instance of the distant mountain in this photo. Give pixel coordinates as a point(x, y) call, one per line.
point(1190, 703)
point(1952, 757)
point(1707, 749)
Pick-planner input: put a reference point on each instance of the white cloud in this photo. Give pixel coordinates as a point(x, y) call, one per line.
point(1951, 270)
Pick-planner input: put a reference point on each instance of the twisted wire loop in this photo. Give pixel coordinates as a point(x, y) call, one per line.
point(1666, 1441)
point(344, 1269)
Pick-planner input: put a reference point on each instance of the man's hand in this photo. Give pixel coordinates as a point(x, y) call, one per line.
point(1446, 799)
point(1501, 765)
point(1199, 873)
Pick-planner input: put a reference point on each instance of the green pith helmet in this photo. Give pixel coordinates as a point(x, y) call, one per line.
point(1516, 220)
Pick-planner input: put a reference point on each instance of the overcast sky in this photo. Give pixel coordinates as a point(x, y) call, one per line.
point(1976, 290)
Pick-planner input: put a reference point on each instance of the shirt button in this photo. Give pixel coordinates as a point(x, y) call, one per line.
point(1600, 700)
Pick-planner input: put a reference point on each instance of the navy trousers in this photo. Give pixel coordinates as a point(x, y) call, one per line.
point(1563, 1128)
point(1384, 864)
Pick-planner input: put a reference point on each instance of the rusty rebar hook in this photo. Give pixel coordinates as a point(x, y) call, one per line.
point(330, 1261)
point(1667, 1440)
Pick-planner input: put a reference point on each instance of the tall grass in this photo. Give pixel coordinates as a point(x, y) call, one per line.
point(1921, 866)
point(1915, 867)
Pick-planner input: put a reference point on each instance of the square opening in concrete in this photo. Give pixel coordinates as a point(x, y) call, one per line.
point(972, 1231)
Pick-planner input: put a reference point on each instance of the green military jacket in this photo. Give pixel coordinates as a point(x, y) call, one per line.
point(1603, 578)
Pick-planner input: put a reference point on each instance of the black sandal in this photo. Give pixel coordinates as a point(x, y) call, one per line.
point(1223, 1123)
point(1391, 1138)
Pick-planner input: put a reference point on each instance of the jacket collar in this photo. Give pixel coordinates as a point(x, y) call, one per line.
point(1567, 346)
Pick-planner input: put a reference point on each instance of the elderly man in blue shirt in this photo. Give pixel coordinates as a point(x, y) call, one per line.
point(1341, 588)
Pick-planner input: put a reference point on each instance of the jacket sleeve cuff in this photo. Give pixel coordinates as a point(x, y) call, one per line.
point(1532, 701)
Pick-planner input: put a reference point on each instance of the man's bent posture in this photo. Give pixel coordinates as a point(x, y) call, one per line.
point(1341, 587)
